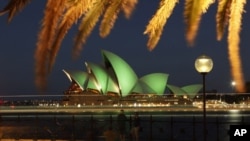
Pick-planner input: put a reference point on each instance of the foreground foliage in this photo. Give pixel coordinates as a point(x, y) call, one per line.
point(60, 15)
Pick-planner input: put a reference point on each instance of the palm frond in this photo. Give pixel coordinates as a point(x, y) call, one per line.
point(128, 7)
point(192, 15)
point(222, 17)
point(13, 7)
point(85, 3)
point(46, 37)
point(75, 9)
point(234, 29)
point(205, 5)
point(154, 38)
point(110, 17)
point(87, 25)
point(156, 24)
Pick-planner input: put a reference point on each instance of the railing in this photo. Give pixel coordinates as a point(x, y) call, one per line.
point(161, 127)
point(45, 117)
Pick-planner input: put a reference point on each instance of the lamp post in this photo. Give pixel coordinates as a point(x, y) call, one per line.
point(233, 83)
point(204, 64)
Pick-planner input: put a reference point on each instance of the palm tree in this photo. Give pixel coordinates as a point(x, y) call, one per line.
point(60, 15)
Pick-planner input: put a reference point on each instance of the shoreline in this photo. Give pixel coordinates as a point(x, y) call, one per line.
point(101, 109)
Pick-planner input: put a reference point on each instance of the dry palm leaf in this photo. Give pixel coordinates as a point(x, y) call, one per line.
point(234, 29)
point(205, 5)
point(74, 11)
point(128, 7)
point(156, 24)
point(192, 15)
point(110, 17)
point(53, 11)
point(13, 7)
point(87, 25)
point(222, 17)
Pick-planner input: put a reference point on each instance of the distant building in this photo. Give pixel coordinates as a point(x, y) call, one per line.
point(116, 78)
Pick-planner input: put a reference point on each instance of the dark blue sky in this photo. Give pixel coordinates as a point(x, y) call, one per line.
point(172, 55)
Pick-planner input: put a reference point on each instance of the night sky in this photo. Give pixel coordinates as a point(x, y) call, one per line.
point(172, 54)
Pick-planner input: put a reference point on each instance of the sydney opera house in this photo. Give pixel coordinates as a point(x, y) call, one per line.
point(115, 81)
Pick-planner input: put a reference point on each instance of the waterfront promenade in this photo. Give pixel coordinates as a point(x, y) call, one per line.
point(48, 119)
point(100, 109)
point(172, 123)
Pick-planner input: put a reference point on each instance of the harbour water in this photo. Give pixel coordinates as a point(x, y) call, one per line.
point(158, 124)
point(46, 119)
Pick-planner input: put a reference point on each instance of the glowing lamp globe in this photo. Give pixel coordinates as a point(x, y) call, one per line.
point(203, 64)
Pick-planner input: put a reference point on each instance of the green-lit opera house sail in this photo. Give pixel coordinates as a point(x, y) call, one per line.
point(156, 81)
point(100, 75)
point(116, 77)
point(123, 73)
point(103, 81)
point(190, 90)
point(79, 77)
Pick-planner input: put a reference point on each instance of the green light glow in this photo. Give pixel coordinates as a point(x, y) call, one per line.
point(118, 77)
point(125, 75)
point(78, 76)
point(100, 75)
point(192, 90)
point(176, 90)
point(156, 81)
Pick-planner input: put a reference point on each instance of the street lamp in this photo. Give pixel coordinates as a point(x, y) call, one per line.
point(233, 83)
point(204, 64)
